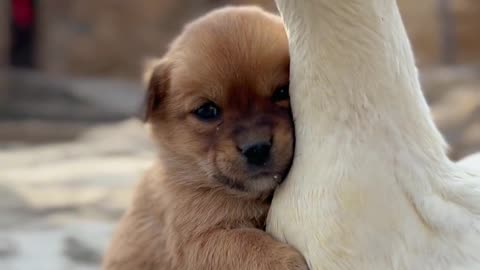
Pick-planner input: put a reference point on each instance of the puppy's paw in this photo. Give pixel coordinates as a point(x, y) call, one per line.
point(296, 263)
point(291, 260)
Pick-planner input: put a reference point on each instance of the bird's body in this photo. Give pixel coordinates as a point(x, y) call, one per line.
point(472, 161)
point(371, 187)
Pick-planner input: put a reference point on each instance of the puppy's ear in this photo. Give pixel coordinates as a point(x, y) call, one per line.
point(156, 77)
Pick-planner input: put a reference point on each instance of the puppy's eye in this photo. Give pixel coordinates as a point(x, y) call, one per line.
point(207, 112)
point(281, 94)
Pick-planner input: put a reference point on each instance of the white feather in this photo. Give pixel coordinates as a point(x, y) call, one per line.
point(472, 161)
point(371, 187)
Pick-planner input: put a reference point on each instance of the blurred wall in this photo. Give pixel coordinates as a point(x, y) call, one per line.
point(422, 22)
point(4, 27)
point(424, 25)
point(112, 37)
point(468, 29)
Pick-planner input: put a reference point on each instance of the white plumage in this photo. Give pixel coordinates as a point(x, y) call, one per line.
point(472, 161)
point(371, 187)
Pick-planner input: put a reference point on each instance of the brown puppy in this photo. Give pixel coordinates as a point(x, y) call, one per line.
point(218, 108)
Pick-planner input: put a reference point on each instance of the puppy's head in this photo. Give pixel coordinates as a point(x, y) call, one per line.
point(218, 100)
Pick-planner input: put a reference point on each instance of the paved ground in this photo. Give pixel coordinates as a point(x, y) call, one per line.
point(60, 201)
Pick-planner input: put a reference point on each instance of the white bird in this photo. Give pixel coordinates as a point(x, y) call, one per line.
point(371, 186)
point(472, 161)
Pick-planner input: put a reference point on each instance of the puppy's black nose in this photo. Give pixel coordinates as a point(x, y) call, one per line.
point(257, 154)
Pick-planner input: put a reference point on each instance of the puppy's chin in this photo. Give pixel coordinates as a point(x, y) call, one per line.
point(253, 186)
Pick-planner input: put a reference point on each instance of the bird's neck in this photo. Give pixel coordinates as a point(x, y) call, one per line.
point(370, 170)
point(354, 80)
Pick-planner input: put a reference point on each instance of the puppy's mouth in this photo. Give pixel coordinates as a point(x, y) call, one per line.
point(277, 177)
point(230, 182)
point(261, 181)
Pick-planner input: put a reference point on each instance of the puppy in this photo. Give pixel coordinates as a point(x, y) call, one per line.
point(218, 109)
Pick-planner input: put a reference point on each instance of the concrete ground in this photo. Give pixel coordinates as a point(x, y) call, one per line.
point(59, 201)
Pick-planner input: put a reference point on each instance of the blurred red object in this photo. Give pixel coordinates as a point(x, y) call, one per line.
point(22, 13)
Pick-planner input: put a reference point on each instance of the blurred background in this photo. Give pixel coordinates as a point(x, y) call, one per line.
point(72, 147)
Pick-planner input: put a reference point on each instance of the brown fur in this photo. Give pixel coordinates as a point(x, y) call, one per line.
point(202, 206)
